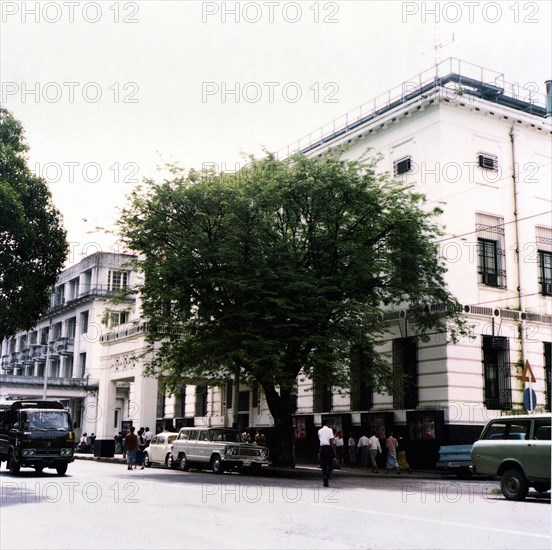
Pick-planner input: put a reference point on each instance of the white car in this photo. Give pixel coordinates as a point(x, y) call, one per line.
point(159, 450)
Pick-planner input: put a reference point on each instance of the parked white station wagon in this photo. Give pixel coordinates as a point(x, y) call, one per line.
point(217, 449)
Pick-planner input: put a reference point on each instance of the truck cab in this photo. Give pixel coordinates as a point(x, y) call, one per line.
point(36, 434)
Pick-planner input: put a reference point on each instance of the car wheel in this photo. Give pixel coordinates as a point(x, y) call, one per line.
point(170, 462)
point(216, 465)
point(147, 461)
point(514, 485)
point(13, 465)
point(38, 469)
point(184, 464)
point(541, 486)
point(61, 469)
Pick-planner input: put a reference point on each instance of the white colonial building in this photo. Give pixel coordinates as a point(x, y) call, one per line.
point(86, 351)
point(480, 149)
point(474, 145)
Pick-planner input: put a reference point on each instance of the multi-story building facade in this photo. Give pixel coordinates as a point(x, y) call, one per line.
point(85, 352)
point(480, 149)
point(474, 145)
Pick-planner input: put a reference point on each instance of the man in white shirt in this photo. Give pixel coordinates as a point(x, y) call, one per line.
point(363, 446)
point(327, 451)
point(375, 448)
point(148, 436)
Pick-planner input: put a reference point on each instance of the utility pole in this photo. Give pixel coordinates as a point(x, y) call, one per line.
point(47, 363)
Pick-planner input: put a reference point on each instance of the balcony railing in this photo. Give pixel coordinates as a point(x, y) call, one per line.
point(99, 291)
point(85, 383)
point(65, 346)
point(124, 332)
point(37, 352)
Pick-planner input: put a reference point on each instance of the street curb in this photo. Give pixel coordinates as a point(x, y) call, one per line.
point(303, 470)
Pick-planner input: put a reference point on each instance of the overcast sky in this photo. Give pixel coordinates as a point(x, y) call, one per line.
point(108, 91)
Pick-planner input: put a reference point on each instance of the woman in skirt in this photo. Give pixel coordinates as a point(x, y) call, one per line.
point(392, 444)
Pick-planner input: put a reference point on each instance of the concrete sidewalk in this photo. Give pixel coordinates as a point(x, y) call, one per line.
point(304, 471)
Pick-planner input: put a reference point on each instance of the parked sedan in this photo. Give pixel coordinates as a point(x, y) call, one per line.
point(159, 450)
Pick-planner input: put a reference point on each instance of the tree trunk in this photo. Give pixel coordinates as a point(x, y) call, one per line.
point(282, 446)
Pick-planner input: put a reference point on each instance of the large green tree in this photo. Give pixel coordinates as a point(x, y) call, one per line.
point(33, 244)
point(280, 269)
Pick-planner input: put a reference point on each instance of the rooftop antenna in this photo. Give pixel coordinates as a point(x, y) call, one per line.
point(437, 47)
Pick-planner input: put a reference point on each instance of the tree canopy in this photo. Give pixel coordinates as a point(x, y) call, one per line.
point(280, 269)
point(33, 245)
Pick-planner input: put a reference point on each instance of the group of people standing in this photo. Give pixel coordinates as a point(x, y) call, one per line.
point(86, 443)
point(369, 448)
point(366, 450)
point(134, 446)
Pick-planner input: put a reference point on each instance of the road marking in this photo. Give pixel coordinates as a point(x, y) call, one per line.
point(439, 522)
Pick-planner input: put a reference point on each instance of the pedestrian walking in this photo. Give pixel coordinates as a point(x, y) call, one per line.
point(130, 447)
point(327, 451)
point(140, 450)
point(374, 448)
point(391, 443)
point(339, 446)
point(352, 450)
point(260, 438)
point(148, 436)
point(403, 462)
point(118, 443)
point(83, 443)
point(363, 449)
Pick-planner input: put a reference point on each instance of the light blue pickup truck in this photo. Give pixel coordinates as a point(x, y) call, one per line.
point(456, 459)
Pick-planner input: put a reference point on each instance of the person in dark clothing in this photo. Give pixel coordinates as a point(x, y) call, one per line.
point(131, 445)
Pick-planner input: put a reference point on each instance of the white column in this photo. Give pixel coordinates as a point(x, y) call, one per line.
point(144, 399)
point(106, 414)
point(90, 414)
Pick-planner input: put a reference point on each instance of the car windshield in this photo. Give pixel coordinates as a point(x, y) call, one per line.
point(46, 420)
point(232, 436)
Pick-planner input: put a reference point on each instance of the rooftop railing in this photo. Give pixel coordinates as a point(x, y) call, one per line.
point(466, 78)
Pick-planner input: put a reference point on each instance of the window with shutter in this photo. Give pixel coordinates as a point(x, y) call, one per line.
point(488, 162)
point(402, 166)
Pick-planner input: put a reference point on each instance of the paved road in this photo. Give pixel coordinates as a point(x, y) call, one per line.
point(103, 505)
